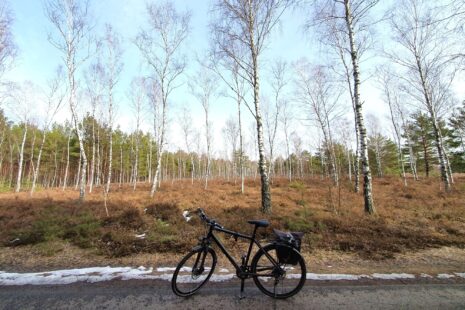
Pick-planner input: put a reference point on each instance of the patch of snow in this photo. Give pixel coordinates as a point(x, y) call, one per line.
point(183, 269)
point(92, 275)
point(330, 276)
point(99, 274)
point(222, 277)
point(189, 279)
point(392, 276)
point(165, 269)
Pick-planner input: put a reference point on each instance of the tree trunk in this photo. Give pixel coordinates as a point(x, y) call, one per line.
point(436, 130)
point(136, 162)
point(378, 159)
point(55, 167)
point(120, 165)
point(31, 160)
point(449, 168)
point(265, 185)
point(65, 179)
point(412, 158)
point(288, 154)
point(207, 127)
point(367, 186)
point(160, 148)
point(441, 154)
point(110, 151)
point(99, 164)
point(332, 152)
point(357, 155)
point(92, 167)
point(36, 171)
point(82, 187)
point(400, 157)
point(76, 179)
point(21, 158)
point(241, 158)
point(11, 165)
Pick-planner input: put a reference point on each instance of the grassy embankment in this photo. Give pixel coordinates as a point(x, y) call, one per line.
point(409, 219)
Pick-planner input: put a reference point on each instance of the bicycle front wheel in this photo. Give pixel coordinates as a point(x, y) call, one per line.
point(193, 271)
point(281, 280)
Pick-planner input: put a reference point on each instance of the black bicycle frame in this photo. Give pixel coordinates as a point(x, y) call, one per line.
point(236, 235)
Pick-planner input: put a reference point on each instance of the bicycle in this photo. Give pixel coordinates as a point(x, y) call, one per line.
point(273, 265)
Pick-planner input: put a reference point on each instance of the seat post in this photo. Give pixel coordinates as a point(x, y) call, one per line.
point(254, 231)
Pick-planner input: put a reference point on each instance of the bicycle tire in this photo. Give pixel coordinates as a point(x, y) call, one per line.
point(177, 282)
point(297, 280)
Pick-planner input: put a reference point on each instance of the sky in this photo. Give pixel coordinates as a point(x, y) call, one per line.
point(38, 59)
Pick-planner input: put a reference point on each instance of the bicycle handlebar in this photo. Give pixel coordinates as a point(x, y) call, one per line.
point(203, 217)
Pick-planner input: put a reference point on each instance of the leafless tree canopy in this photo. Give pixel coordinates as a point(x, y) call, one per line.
point(239, 26)
point(160, 43)
point(7, 46)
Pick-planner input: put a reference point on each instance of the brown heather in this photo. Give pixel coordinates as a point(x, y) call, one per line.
point(409, 219)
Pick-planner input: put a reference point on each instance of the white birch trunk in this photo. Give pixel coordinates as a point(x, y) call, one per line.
point(65, 179)
point(21, 159)
point(39, 156)
point(92, 167)
point(367, 186)
point(160, 147)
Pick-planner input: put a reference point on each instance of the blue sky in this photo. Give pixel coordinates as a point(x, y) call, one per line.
point(38, 59)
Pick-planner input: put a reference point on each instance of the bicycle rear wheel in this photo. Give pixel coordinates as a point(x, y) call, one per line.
point(193, 271)
point(281, 281)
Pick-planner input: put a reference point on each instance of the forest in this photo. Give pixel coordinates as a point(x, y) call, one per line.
point(420, 70)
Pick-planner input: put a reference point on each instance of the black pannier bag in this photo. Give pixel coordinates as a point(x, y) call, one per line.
point(283, 241)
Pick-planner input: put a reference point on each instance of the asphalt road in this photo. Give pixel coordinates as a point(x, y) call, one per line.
point(144, 294)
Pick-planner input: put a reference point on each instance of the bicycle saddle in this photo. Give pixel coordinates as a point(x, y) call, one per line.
point(259, 223)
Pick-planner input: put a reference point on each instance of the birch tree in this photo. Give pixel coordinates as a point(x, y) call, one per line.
point(231, 74)
point(70, 18)
point(273, 109)
point(285, 119)
point(160, 45)
point(424, 50)
point(185, 121)
point(95, 94)
point(231, 133)
point(113, 66)
point(247, 25)
point(21, 107)
point(376, 142)
point(351, 19)
point(137, 97)
point(319, 97)
point(391, 98)
point(54, 99)
point(203, 86)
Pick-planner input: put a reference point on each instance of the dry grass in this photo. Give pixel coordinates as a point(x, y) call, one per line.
point(410, 219)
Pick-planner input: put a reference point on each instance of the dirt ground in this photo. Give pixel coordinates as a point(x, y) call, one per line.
point(418, 228)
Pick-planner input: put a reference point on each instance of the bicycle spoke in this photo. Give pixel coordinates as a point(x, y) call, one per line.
point(281, 280)
point(196, 269)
